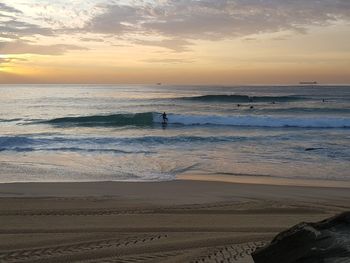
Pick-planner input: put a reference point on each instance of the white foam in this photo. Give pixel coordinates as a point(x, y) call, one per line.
point(258, 121)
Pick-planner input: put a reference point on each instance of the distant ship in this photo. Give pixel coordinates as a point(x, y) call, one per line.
point(308, 83)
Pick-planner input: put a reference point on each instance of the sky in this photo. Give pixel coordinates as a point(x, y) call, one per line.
point(175, 41)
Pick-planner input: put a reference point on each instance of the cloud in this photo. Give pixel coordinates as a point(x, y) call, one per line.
point(90, 39)
point(215, 19)
point(12, 27)
point(175, 44)
point(250, 39)
point(20, 29)
point(4, 60)
point(116, 19)
point(209, 19)
point(8, 9)
point(171, 24)
point(7, 60)
point(21, 47)
point(168, 61)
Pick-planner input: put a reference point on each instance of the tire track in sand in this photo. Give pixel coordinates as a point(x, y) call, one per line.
point(69, 249)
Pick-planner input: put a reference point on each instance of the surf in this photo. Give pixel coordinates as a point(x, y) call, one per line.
point(243, 98)
point(114, 120)
point(149, 119)
point(261, 121)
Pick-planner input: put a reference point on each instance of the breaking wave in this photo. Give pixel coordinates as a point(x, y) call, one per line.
point(243, 98)
point(114, 120)
point(151, 119)
point(262, 121)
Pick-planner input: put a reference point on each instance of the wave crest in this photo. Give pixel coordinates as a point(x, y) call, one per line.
point(151, 119)
point(243, 98)
point(114, 120)
point(261, 121)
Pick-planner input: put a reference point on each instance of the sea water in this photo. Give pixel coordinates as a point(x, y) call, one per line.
point(115, 132)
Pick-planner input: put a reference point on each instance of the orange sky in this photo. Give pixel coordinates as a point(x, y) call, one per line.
point(174, 42)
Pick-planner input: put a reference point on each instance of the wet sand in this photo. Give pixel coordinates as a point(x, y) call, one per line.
point(178, 221)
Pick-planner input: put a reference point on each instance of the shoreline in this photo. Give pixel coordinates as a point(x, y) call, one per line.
point(179, 189)
point(234, 178)
point(186, 178)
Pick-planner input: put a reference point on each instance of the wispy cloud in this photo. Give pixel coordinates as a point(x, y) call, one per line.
point(91, 39)
point(4, 60)
point(169, 61)
point(21, 47)
point(8, 60)
point(174, 44)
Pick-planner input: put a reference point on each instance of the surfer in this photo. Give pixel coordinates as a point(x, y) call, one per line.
point(165, 118)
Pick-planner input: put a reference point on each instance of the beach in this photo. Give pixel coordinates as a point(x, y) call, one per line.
point(175, 221)
point(89, 173)
point(167, 131)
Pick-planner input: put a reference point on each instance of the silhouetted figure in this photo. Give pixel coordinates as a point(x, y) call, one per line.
point(238, 105)
point(323, 100)
point(165, 118)
point(251, 107)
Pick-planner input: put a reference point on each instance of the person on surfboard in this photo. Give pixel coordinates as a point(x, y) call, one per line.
point(165, 118)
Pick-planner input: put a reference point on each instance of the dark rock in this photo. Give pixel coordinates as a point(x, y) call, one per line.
point(327, 241)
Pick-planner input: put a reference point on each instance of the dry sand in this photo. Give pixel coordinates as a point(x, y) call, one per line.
point(178, 221)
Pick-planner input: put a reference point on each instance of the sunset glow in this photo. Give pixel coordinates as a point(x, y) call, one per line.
point(189, 42)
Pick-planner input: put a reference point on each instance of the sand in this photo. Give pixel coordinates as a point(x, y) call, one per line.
point(178, 221)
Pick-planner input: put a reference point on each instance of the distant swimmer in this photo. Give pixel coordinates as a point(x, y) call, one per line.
point(252, 107)
point(165, 118)
point(273, 102)
point(238, 105)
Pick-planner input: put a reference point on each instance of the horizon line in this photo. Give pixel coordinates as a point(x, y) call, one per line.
point(186, 84)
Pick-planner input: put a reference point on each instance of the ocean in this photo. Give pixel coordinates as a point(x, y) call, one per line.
point(60, 133)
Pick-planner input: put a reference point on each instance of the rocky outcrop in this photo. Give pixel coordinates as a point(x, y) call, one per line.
point(327, 241)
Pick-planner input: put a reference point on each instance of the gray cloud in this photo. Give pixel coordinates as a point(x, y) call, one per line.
point(215, 19)
point(168, 61)
point(9, 9)
point(20, 29)
point(209, 19)
point(175, 44)
point(250, 39)
point(21, 47)
point(116, 19)
point(89, 39)
point(12, 28)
